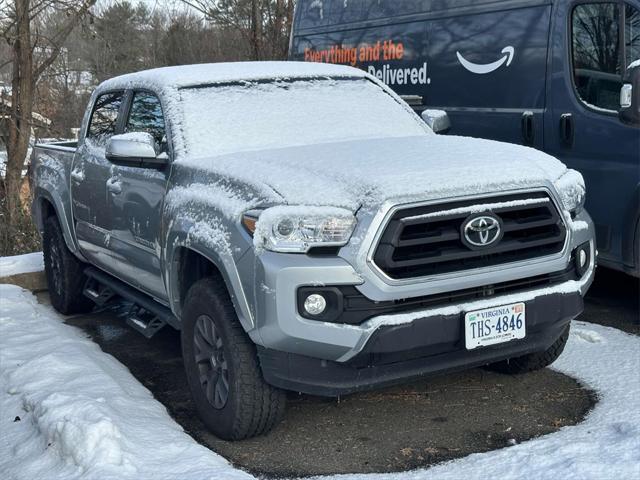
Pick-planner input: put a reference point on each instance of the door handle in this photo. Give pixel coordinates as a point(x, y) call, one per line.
point(528, 130)
point(567, 130)
point(77, 175)
point(114, 186)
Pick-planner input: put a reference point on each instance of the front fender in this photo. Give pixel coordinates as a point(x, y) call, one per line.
point(199, 238)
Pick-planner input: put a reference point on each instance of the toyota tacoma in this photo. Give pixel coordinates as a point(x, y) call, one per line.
point(305, 230)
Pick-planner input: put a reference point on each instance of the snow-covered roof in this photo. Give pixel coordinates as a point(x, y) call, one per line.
point(212, 73)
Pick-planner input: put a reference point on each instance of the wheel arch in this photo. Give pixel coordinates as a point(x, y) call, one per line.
point(45, 205)
point(189, 263)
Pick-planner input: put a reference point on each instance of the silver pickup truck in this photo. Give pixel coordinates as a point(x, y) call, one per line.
point(305, 230)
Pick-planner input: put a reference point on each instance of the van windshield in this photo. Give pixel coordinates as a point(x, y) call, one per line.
point(253, 116)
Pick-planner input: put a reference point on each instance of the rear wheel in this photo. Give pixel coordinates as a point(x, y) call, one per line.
point(64, 272)
point(532, 361)
point(222, 367)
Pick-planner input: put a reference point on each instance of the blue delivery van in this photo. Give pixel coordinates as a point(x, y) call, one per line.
point(550, 74)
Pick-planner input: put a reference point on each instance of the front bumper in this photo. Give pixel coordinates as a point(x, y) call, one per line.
point(432, 344)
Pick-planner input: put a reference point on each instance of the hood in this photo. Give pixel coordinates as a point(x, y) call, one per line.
point(369, 172)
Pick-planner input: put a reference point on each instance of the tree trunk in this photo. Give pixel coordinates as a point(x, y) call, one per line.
point(256, 29)
point(23, 87)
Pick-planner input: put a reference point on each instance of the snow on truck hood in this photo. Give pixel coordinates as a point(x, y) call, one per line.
point(355, 173)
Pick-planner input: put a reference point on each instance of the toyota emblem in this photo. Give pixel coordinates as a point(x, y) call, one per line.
point(481, 231)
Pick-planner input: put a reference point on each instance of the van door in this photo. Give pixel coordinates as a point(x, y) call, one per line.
point(582, 125)
point(487, 70)
point(89, 175)
point(135, 200)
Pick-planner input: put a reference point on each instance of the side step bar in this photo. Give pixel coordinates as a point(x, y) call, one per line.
point(146, 315)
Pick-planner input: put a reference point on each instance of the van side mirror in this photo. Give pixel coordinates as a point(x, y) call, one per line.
point(135, 149)
point(630, 96)
point(438, 120)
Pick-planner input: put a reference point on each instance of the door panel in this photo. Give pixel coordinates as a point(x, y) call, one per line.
point(135, 199)
point(488, 70)
point(587, 67)
point(89, 174)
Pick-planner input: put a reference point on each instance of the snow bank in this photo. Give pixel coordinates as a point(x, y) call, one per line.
point(82, 414)
point(28, 263)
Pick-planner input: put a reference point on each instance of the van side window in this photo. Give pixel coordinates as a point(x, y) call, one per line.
point(146, 115)
point(105, 117)
point(631, 34)
point(596, 54)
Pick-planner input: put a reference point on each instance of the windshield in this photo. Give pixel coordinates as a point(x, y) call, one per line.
point(256, 116)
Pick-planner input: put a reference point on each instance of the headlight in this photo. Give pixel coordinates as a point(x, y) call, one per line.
point(297, 229)
point(571, 189)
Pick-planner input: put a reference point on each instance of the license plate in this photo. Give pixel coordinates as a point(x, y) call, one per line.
point(494, 325)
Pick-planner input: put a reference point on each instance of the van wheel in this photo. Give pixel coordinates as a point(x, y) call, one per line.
point(64, 272)
point(222, 368)
point(532, 361)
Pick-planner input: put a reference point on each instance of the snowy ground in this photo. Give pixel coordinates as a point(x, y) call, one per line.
point(83, 415)
point(28, 263)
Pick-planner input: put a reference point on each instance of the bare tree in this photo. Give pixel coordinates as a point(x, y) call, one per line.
point(264, 24)
point(34, 47)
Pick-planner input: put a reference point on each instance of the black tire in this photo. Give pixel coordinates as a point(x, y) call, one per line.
point(64, 272)
point(532, 361)
point(211, 330)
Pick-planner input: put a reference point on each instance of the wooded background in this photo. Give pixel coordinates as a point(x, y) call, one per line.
point(54, 52)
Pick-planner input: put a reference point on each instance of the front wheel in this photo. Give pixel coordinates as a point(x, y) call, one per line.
point(532, 361)
point(222, 368)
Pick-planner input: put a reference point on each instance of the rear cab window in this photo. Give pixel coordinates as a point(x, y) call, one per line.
point(605, 39)
point(104, 118)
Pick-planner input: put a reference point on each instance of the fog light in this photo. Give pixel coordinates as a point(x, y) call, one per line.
point(582, 258)
point(315, 304)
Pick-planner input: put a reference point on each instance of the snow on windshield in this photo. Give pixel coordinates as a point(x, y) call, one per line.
point(257, 116)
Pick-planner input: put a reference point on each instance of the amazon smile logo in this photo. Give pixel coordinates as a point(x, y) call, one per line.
point(484, 68)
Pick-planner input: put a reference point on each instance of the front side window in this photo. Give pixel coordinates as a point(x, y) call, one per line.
point(599, 56)
point(596, 54)
point(105, 117)
point(145, 115)
point(631, 34)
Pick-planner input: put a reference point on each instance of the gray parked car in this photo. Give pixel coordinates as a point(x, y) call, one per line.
point(307, 231)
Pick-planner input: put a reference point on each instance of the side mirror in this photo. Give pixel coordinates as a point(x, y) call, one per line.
point(630, 96)
point(135, 149)
point(438, 120)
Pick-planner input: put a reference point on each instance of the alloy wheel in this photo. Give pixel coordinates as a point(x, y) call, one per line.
point(212, 366)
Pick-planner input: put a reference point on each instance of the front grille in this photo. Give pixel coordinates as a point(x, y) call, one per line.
point(427, 240)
